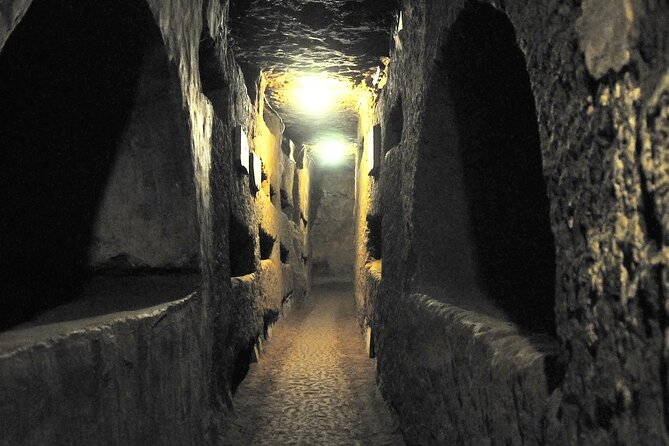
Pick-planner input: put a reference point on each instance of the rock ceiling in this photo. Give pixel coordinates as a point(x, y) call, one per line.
point(286, 39)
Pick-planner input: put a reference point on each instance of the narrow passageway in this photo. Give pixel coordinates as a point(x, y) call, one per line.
point(314, 384)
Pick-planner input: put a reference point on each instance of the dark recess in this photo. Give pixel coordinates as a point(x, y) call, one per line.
point(374, 240)
point(285, 146)
point(242, 257)
point(555, 369)
point(500, 151)
point(212, 76)
point(241, 366)
point(269, 318)
point(284, 253)
point(67, 89)
point(266, 244)
point(285, 203)
point(394, 126)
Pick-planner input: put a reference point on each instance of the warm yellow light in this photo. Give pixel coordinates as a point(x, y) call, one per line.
point(317, 94)
point(332, 152)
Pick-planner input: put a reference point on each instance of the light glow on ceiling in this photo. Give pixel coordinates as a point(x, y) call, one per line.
point(318, 93)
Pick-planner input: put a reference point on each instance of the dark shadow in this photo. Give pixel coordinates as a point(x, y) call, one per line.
point(284, 253)
point(285, 202)
point(503, 177)
point(68, 75)
point(212, 77)
point(394, 126)
point(242, 257)
point(374, 240)
point(243, 358)
point(266, 244)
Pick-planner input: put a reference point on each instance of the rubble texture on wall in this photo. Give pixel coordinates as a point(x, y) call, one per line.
point(601, 110)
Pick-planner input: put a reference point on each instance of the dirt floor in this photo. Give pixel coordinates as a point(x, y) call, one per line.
point(313, 384)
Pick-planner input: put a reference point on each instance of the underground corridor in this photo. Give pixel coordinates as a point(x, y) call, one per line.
point(334, 222)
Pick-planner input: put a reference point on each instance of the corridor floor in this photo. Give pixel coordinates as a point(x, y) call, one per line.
point(314, 384)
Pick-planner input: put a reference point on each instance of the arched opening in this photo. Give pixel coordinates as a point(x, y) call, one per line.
point(98, 195)
point(494, 235)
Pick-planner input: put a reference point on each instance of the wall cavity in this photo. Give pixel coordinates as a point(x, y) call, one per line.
point(90, 124)
point(482, 206)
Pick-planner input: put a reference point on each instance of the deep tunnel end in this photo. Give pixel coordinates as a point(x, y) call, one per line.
point(502, 167)
point(67, 90)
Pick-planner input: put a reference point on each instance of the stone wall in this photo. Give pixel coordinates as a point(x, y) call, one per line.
point(597, 74)
point(147, 216)
point(332, 224)
point(155, 373)
point(368, 223)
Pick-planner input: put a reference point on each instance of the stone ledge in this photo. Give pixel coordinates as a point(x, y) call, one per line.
point(13, 341)
point(128, 378)
point(450, 371)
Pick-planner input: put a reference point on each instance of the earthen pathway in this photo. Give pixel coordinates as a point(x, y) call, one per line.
point(314, 384)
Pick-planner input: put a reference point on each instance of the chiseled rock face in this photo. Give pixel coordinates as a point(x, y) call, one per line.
point(602, 115)
point(344, 37)
point(605, 31)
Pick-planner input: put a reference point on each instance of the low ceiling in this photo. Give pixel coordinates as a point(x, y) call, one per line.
point(290, 39)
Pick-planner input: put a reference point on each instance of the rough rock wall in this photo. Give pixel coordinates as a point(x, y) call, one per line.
point(368, 221)
point(11, 13)
point(278, 272)
point(147, 216)
point(332, 224)
point(601, 108)
point(128, 378)
point(165, 374)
